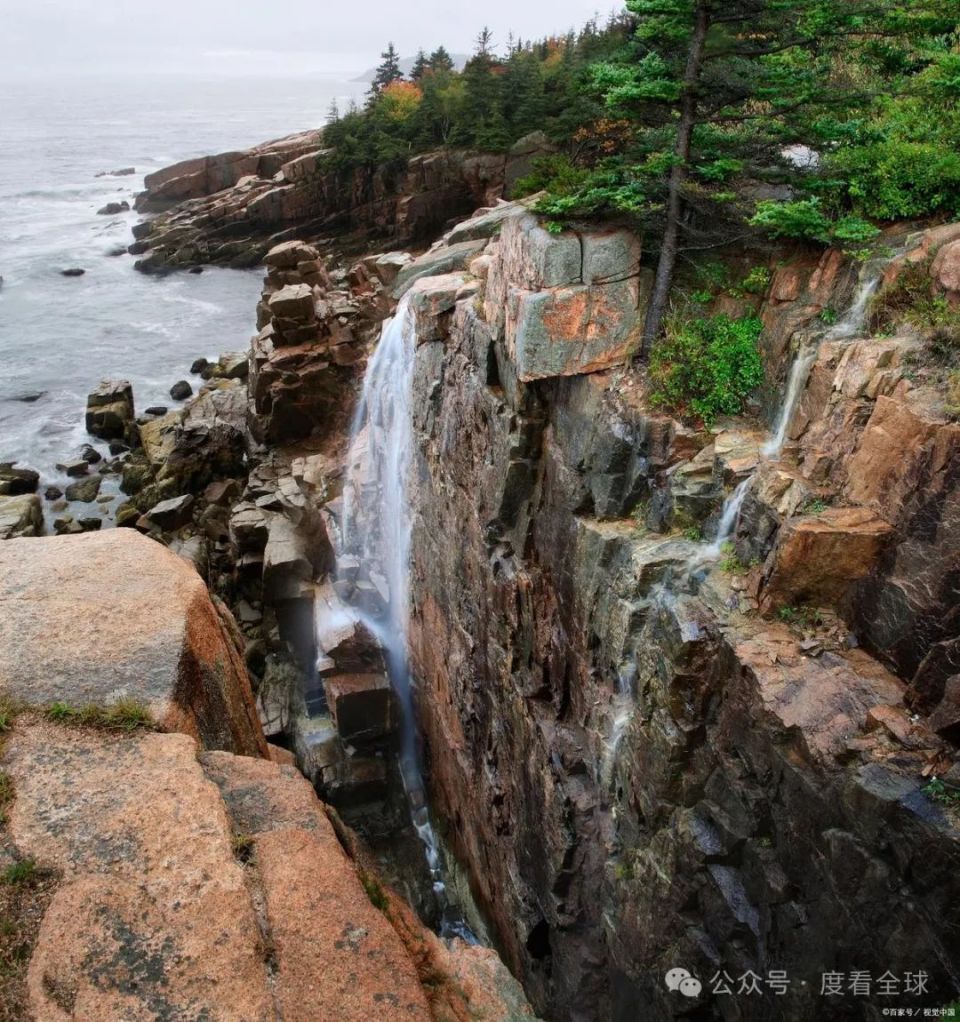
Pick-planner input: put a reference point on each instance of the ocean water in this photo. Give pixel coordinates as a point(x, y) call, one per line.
point(59, 336)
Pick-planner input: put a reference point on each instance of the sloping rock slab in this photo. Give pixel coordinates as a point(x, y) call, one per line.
point(90, 619)
point(153, 919)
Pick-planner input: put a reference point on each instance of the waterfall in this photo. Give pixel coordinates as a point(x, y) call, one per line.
point(729, 517)
point(373, 563)
point(849, 325)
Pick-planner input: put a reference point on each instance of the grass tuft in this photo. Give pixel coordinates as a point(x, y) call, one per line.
point(123, 715)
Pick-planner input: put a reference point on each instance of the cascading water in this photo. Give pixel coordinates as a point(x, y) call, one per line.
point(374, 555)
point(848, 326)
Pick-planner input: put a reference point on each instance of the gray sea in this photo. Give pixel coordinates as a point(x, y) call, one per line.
point(59, 336)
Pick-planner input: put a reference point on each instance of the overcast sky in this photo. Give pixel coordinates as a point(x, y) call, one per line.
point(50, 36)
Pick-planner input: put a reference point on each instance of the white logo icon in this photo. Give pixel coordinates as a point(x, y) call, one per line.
point(680, 981)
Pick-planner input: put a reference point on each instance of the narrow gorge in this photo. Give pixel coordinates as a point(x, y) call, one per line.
point(588, 693)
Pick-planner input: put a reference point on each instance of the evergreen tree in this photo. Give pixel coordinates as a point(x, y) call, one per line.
point(387, 73)
point(719, 86)
point(522, 94)
point(420, 67)
point(440, 60)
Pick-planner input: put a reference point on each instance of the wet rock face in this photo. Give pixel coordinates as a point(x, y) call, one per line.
point(637, 767)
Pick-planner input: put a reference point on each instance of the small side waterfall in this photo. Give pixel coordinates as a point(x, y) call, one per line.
point(688, 577)
point(374, 558)
point(848, 326)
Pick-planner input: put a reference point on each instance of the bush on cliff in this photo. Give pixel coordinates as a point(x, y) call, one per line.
point(707, 366)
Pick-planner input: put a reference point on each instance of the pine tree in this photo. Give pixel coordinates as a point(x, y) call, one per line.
point(387, 72)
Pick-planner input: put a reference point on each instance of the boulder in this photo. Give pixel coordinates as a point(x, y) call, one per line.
point(73, 271)
point(181, 390)
point(122, 618)
point(110, 411)
point(388, 265)
point(288, 254)
point(171, 514)
point(84, 490)
point(74, 468)
point(198, 365)
point(818, 557)
point(231, 365)
point(17, 481)
point(295, 301)
point(20, 516)
point(113, 208)
point(945, 269)
point(287, 564)
point(362, 706)
point(430, 298)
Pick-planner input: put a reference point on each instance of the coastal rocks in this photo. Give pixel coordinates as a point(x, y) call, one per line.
point(84, 490)
point(110, 413)
point(122, 617)
point(73, 271)
point(231, 208)
point(171, 514)
point(181, 390)
point(292, 303)
point(311, 335)
point(17, 481)
point(21, 516)
point(113, 208)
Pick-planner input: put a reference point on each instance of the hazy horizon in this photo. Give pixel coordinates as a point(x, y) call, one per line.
point(219, 37)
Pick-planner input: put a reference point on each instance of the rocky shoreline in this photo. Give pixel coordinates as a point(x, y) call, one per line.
point(629, 771)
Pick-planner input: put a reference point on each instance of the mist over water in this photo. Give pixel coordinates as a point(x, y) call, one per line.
point(59, 336)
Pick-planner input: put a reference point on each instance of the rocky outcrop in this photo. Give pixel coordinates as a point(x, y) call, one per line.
point(88, 620)
point(638, 767)
point(110, 410)
point(21, 516)
point(236, 206)
point(313, 332)
point(149, 870)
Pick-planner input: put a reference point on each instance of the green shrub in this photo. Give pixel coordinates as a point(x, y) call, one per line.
point(21, 872)
point(555, 173)
point(912, 299)
point(805, 220)
point(708, 366)
point(123, 715)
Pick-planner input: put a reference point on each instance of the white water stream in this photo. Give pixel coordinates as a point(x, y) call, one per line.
point(848, 326)
point(374, 556)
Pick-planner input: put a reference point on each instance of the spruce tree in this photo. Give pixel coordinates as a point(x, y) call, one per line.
point(440, 60)
point(387, 72)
